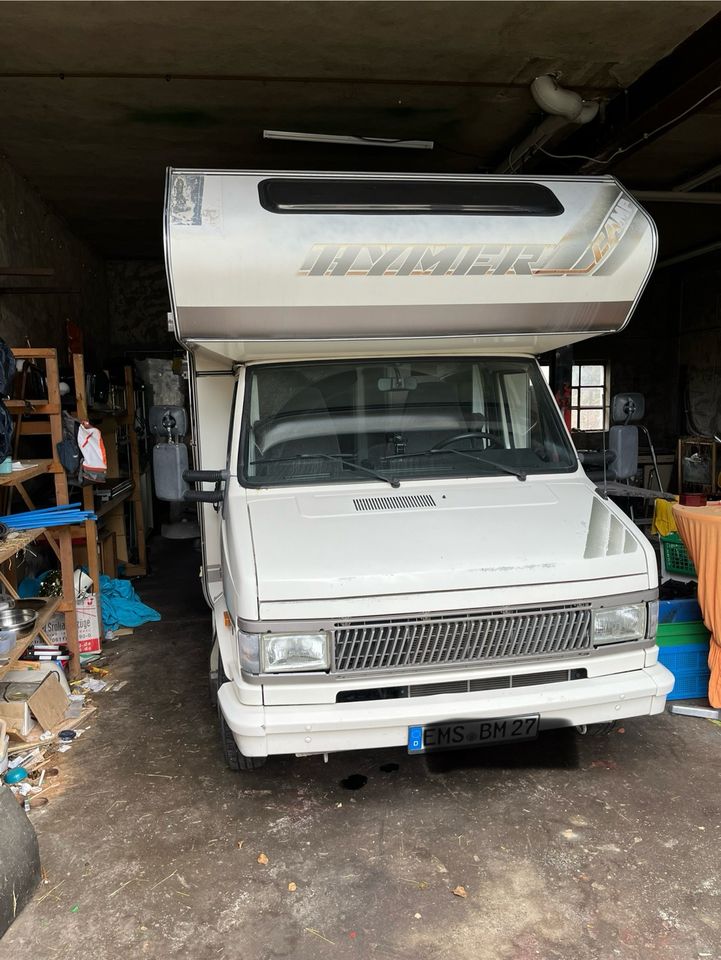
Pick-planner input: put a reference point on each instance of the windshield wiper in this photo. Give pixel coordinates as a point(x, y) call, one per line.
point(521, 474)
point(334, 458)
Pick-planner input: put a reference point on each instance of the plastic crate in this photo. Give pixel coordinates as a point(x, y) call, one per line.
point(689, 666)
point(675, 556)
point(682, 610)
point(682, 634)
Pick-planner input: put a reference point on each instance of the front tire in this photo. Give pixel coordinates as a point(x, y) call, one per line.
point(234, 759)
point(213, 685)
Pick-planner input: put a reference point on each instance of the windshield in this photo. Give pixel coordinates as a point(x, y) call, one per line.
point(365, 420)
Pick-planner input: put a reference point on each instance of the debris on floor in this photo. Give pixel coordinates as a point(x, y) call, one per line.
point(29, 758)
point(42, 716)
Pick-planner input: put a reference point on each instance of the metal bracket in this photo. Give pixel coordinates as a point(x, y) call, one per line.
point(707, 713)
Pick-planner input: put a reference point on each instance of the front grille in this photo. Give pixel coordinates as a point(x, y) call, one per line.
point(460, 686)
point(435, 689)
point(474, 638)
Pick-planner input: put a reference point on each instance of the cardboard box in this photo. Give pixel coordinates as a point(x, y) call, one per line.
point(17, 717)
point(88, 626)
point(40, 696)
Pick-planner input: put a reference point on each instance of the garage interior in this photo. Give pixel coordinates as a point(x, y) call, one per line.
point(568, 846)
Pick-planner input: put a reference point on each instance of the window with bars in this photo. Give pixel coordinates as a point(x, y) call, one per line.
point(589, 396)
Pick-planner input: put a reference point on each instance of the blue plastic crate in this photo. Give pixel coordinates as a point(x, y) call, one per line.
point(689, 665)
point(679, 611)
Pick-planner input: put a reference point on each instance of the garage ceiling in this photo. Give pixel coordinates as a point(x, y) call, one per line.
point(97, 99)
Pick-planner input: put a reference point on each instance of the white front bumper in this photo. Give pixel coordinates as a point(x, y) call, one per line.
point(325, 728)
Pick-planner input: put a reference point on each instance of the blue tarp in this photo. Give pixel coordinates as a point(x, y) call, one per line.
point(121, 606)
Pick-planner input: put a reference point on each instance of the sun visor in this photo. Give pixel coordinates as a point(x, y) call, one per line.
point(257, 259)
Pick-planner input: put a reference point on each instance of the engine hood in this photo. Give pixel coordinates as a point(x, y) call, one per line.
point(362, 541)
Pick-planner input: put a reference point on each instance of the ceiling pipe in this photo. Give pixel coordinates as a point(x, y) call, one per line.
point(564, 108)
point(554, 99)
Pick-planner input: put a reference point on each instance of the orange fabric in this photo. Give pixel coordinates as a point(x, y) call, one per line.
point(700, 529)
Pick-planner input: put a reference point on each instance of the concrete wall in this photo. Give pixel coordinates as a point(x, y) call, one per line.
point(700, 342)
point(138, 303)
point(700, 296)
point(32, 235)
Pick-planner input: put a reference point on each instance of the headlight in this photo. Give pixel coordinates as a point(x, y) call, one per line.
point(284, 652)
point(619, 624)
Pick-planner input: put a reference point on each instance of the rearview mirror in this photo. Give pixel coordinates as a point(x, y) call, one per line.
point(397, 383)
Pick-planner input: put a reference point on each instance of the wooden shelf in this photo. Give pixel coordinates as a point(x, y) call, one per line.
point(34, 353)
point(31, 408)
point(17, 540)
point(51, 607)
point(108, 505)
point(34, 417)
point(35, 469)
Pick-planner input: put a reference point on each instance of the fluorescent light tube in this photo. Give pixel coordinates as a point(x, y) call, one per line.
point(355, 141)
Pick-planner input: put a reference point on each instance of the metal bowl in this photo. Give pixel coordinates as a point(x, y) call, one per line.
point(17, 619)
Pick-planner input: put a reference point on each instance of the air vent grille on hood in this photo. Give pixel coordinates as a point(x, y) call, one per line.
point(411, 502)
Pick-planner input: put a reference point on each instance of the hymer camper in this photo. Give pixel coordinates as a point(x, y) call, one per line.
point(400, 547)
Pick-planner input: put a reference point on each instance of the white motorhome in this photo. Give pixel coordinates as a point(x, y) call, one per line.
point(400, 547)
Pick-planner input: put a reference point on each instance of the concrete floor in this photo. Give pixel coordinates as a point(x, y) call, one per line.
point(567, 848)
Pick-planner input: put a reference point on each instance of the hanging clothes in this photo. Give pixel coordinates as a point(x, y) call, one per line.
point(663, 521)
point(92, 449)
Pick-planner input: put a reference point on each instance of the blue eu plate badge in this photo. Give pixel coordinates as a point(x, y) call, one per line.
point(415, 739)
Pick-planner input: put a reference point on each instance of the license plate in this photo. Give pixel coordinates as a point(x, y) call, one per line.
point(471, 733)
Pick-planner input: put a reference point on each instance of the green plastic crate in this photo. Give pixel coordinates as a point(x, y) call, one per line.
point(682, 634)
point(675, 556)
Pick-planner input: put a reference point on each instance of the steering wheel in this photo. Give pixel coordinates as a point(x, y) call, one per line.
point(464, 436)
